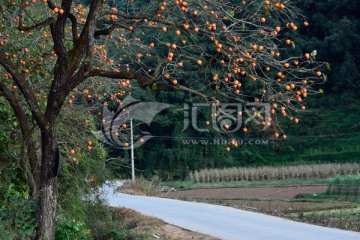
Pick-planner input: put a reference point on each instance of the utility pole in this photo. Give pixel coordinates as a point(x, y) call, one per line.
point(132, 151)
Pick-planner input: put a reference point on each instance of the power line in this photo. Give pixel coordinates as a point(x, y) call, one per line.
point(237, 138)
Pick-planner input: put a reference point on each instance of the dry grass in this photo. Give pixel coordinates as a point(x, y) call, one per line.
point(274, 173)
point(153, 228)
point(140, 187)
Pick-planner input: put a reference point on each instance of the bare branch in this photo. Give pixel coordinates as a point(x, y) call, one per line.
point(106, 31)
point(73, 26)
point(142, 81)
point(195, 92)
point(37, 26)
point(86, 40)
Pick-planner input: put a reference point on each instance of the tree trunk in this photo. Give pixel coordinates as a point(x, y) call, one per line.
point(46, 218)
point(31, 166)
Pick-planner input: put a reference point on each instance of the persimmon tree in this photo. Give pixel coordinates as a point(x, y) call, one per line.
point(54, 52)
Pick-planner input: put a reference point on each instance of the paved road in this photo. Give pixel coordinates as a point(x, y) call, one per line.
point(223, 222)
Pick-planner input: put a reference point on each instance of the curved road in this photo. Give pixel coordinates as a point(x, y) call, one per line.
point(222, 222)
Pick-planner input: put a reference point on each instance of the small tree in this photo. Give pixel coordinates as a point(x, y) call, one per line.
point(233, 51)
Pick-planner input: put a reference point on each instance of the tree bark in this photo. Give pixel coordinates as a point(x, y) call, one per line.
point(48, 190)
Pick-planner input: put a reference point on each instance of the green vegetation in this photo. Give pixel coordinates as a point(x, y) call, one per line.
point(17, 213)
point(347, 188)
point(111, 223)
point(343, 218)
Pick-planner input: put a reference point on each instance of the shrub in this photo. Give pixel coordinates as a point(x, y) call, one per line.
point(109, 223)
point(17, 215)
point(69, 229)
point(345, 186)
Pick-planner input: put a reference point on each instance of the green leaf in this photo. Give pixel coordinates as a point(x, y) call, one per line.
point(243, 26)
point(232, 14)
point(153, 86)
point(313, 54)
point(325, 77)
point(328, 66)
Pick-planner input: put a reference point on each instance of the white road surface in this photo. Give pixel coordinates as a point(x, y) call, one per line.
point(223, 222)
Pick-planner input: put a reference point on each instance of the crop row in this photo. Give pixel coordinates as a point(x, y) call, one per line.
point(274, 173)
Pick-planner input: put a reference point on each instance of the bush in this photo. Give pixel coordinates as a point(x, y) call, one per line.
point(345, 186)
point(69, 229)
point(104, 223)
point(17, 215)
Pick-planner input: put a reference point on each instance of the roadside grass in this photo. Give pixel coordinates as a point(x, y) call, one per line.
point(118, 223)
point(141, 186)
point(348, 219)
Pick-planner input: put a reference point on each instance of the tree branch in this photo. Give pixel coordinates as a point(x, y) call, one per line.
point(33, 173)
point(195, 92)
point(58, 32)
point(86, 40)
point(142, 81)
point(73, 26)
point(25, 89)
point(37, 26)
point(106, 31)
